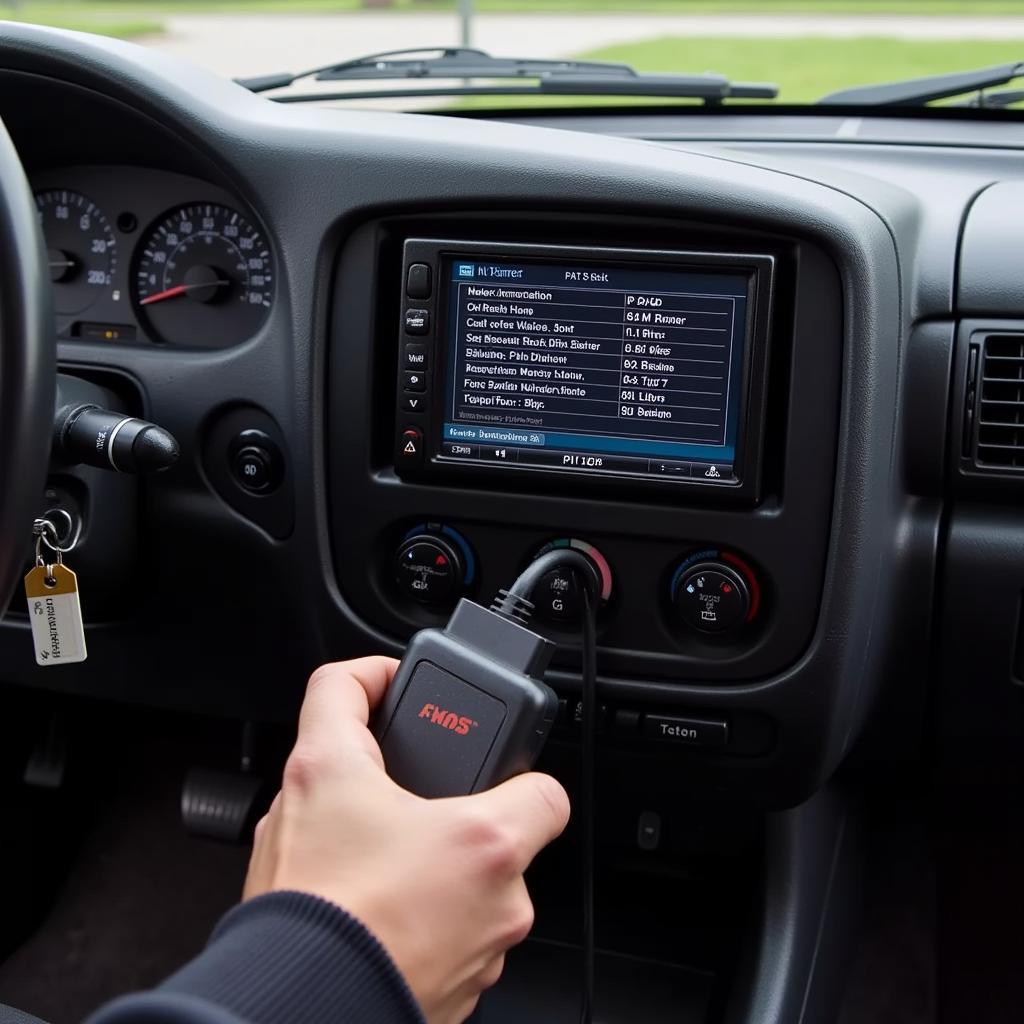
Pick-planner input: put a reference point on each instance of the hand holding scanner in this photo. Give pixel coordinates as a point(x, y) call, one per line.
point(468, 707)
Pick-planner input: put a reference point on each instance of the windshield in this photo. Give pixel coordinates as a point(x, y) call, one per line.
point(806, 49)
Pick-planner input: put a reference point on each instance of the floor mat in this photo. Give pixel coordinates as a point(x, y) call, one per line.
point(140, 900)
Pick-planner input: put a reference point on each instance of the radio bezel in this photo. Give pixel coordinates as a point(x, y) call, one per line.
point(427, 462)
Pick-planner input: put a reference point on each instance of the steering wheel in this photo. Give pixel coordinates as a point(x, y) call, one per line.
point(27, 367)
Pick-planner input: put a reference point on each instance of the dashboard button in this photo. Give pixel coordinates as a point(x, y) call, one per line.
point(688, 732)
point(417, 321)
point(255, 461)
point(253, 468)
point(718, 471)
point(648, 831)
point(414, 380)
point(670, 468)
point(501, 454)
point(415, 357)
point(414, 403)
point(417, 282)
point(456, 450)
point(411, 445)
point(626, 722)
point(569, 717)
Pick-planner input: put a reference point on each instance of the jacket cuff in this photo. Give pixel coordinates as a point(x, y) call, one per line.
point(290, 956)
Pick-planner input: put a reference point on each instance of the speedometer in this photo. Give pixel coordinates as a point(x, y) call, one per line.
point(204, 277)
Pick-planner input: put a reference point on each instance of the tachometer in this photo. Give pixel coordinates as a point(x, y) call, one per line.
point(204, 277)
point(80, 246)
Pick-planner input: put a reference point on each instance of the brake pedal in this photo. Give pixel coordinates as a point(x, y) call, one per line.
point(219, 805)
point(46, 766)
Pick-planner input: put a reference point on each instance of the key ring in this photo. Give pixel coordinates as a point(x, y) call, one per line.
point(42, 562)
point(74, 530)
point(42, 528)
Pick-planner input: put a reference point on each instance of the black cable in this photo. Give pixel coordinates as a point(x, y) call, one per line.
point(514, 603)
point(588, 770)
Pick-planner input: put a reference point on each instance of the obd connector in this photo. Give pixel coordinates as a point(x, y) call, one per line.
point(468, 707)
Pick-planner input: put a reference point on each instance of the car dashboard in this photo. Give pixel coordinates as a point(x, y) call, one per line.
point(806, 559)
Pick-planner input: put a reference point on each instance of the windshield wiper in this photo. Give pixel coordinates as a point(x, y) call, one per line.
point(998, 100)
point(915, 92)
point(566, 77)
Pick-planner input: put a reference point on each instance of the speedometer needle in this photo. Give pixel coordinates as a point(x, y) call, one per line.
point(181, 289)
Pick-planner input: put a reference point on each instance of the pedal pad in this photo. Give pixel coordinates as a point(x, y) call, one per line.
point(219, 805)
point(47, 762)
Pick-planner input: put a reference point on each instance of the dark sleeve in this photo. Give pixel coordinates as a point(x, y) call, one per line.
point(284, 957)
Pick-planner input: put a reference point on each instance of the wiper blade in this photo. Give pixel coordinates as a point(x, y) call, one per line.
point(998, 100)
point(552, 76)
point(913, 92)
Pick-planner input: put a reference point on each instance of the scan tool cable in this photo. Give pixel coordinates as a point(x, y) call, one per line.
point(588, 803)
point(508, 604)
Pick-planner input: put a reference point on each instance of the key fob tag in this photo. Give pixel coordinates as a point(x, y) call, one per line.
point(55, 614)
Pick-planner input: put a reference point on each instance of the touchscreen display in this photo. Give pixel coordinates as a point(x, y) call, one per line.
point(594, 368)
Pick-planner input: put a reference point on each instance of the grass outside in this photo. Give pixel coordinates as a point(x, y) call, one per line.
point(121, 28)
point(136, 17)
point(804, 68)
point(122, 20)
point(966, 8)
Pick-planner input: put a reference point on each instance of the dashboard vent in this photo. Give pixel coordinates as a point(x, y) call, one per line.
point(998, 387)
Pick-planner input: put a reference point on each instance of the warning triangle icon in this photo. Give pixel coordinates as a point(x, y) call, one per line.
point(410, 448)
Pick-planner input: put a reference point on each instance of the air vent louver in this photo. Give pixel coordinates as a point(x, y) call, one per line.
point(999, 439)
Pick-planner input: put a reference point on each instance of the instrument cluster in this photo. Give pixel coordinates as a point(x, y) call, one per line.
point(148, 257)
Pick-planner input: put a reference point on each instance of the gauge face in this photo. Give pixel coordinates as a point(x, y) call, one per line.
point(80, 246)
point(204, 277)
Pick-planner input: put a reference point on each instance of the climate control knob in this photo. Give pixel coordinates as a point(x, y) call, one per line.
point(430, 569)
point(557, 597)
point(711, 596)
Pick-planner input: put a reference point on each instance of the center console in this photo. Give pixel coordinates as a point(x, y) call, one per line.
point(662, 396)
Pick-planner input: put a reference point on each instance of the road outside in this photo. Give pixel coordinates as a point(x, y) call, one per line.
point(245, 44)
